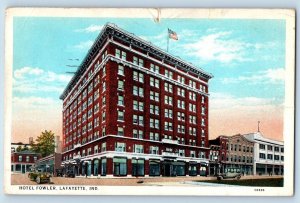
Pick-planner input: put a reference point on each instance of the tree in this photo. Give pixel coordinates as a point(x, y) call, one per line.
point(45, 143)
point(20, 148)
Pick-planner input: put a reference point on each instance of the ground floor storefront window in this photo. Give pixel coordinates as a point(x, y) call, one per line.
point(96, 167)
point(154, 168)
point(138, 167)
point(103, 167)
point(120, 166)
point(203, 169)
point(180, 169)
point(193, 169)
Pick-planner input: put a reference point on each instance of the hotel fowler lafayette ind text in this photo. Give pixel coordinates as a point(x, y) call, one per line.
point(132, 109)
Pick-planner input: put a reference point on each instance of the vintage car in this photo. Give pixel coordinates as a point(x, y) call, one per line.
point(59, 172)
point(230, 172)
point(39, 176)
point(70, 174)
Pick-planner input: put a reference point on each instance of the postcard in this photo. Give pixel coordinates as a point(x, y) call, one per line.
point(113, 101)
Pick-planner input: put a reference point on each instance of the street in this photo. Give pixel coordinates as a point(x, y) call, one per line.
point(22, 179)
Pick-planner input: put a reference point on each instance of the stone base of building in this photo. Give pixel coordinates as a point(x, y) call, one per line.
point(122, 167)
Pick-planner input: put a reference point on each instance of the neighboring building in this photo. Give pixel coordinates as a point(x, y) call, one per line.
point(50, 163)
point(133, 109)
point(58, 144)
point(268, 155)
point(240, 153)
point(218, 154)
point(22, 161)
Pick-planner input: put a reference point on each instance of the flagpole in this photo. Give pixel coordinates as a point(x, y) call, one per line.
point(168, 38)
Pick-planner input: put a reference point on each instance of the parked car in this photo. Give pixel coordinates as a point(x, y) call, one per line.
point(70, 174)
point(59, 172)
point(39, 176)
point(231, 172)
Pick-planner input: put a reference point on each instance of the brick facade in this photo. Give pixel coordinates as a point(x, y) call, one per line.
point(133, 109)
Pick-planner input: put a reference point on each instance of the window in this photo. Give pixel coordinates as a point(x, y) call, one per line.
point(168, 100)
point(276, 157)
point(138, 61)
point(180, 92)
point(27, 158)
point(181, 129)
point(154, 96)
point(168, 126)
point(120, 166)
point(192, 119)
point(192, 96)
point(138, 91)
point(96, 94)
point(202, 99)
point(270, 148)
point(120, 100)
point(138, 148)
point(138, 120)
point(120, 131)
point(103, 116)
point(192, 84)
point(154, 109)
point(103, 86)
point(262, 156)
point(120, 147)
point(168, 87)
point(138, 77)
point(168, 74)
point(192, 107)
point(181, 104)
point(203, 110)
point(103, 167)
point(103, 131)
point(181, 79)
point(154, 68)
point(202, 122)
point(154, 82)
point(120, 54)
point(35, 158)
point(154, 136)
point(276, 149)
point(120, 85)
point(154, 123)
point(121, 70)
point(192, 131)
point(168, 113)
point(192, 153)
point(138, 167)
point(180, 116)
point(154, 150)
point(262, 146)
point(103, 101)
point(270, 156)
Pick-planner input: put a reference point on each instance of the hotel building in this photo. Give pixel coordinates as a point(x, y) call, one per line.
point(132, 109)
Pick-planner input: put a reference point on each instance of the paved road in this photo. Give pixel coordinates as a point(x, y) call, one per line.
point(22, 179)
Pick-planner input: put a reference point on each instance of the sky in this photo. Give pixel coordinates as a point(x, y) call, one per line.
point(246, 57)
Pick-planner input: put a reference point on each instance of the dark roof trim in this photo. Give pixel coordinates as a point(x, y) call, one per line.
point(114, 30)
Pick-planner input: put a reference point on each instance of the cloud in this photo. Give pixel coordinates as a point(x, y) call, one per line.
point(26, 71)
point(34, 102)
point(90, 29)
point(223, 101)
point(84, 45)
point(219, 47)
point(271, 75)
point(28, 79)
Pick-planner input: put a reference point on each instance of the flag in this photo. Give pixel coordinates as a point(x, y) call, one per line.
point(172, 34)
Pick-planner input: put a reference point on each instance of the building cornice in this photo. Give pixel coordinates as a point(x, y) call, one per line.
point(133, 41)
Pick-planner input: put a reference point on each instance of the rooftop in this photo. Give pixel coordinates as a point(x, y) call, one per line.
point(135, 41)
